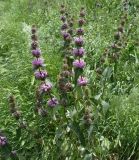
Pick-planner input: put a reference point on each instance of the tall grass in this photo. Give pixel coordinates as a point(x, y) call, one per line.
point(114, 131)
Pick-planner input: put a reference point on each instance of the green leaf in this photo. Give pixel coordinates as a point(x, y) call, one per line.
point(88, 157)
point(32, 81)
point(107, 72)
point(97, 97)
point(76, 128)
point(105, 105)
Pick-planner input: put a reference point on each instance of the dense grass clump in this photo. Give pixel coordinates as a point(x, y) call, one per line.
point(69, 80)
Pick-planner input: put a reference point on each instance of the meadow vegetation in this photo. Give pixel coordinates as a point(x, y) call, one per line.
point(89, 109)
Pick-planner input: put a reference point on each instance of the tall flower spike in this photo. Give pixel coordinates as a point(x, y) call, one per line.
point(64, 78)
point(38, 64)
point(67, 34)
point(79, 52)
point(64, 83)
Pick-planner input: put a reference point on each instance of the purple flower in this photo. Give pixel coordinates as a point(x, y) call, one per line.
point(78, 52)
point(52, 102)
point(80, 31)
point(36, 53)
point(41, 75)
point(38, 63)
point(66, 36)
point(79, 41)
point(45, 87)
point(3, 141)
point(64, 26)
point(82, 81)
point(79, 63)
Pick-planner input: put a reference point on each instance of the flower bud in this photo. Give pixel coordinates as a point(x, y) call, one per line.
point(3, 141)
point(62, 11)
point(41, 75)
point(34, 37)
point(65, 66)
point(63, 102)
point(17, 114)
point(81, 22)
point(99, 70)
point(80, 32)
point(102, 59)
point(64, 26)
point(63, 18)
point(23, 125)
point(33, 30)
point(68, 87)
point(34, 45)
point(79, 42)
point(82, 13)
point(117, 36)
point(120, 29)
point(66, 74)
point(53, 102)
point(122, 22)
point(36, 53)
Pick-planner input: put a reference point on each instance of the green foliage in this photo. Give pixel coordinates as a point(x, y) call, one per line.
point(112, 97)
